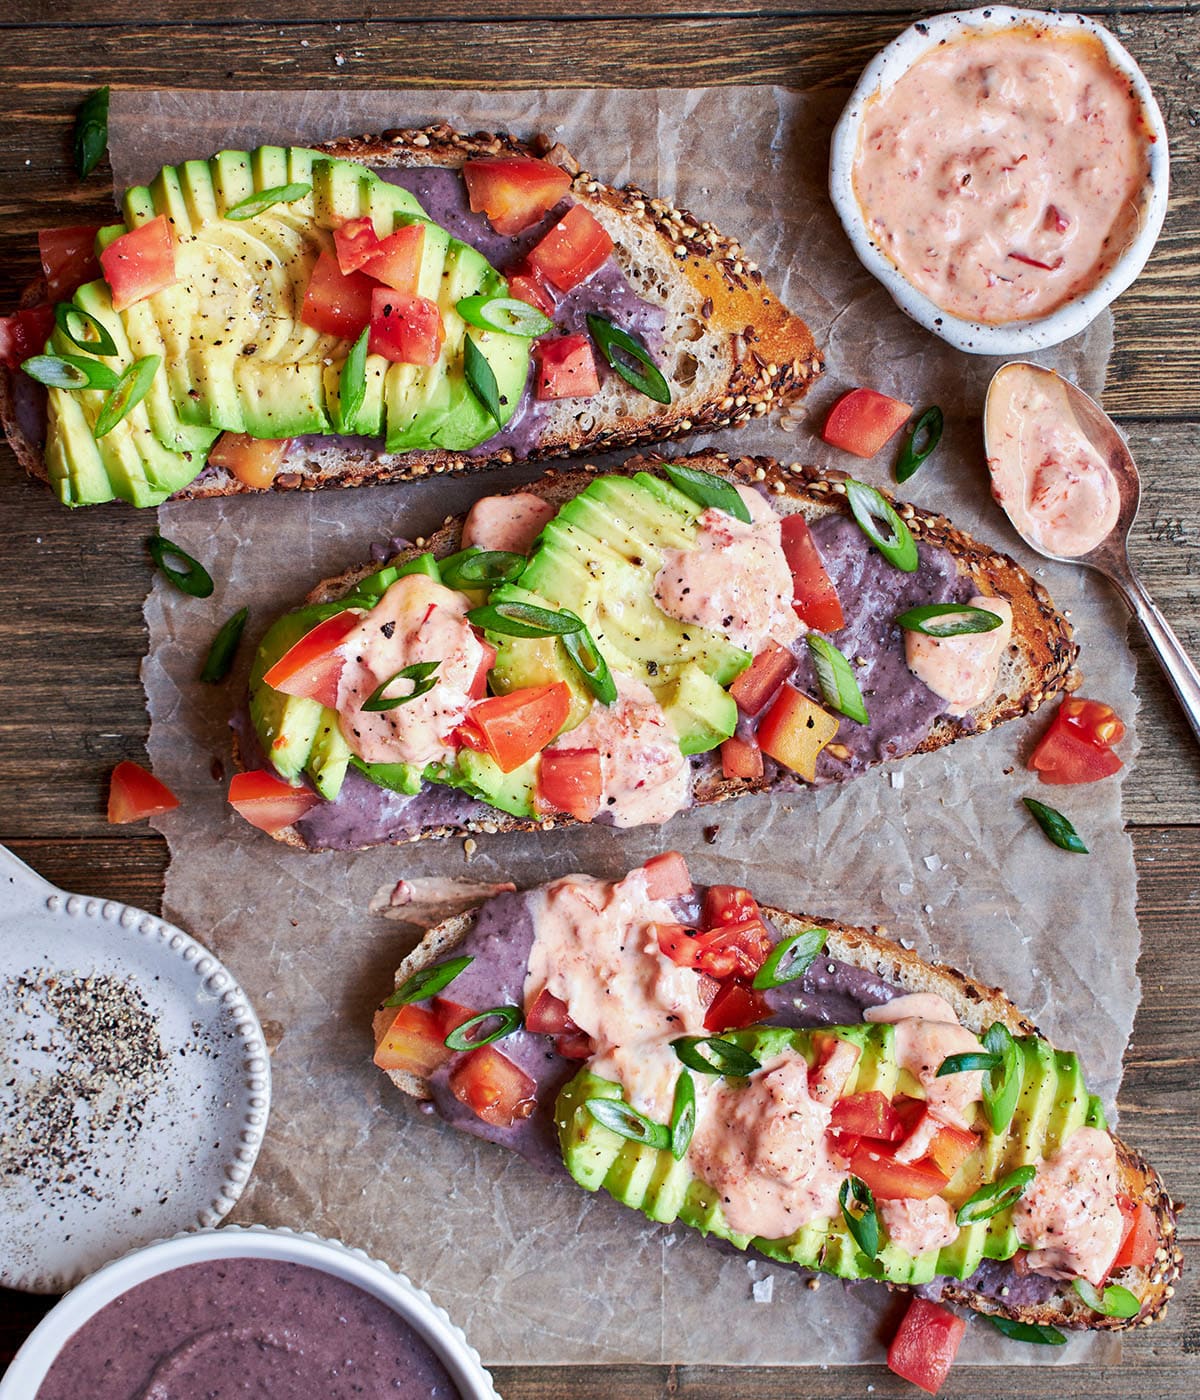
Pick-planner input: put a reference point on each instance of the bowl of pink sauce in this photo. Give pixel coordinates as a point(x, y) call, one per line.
point(1003, 173)
point(246, 1311)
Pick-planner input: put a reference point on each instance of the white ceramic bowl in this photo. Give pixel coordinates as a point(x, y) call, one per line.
point(33, 1361)
point(1013, 337)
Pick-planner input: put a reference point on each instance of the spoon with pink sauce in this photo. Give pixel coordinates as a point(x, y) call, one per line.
point(1066, 479)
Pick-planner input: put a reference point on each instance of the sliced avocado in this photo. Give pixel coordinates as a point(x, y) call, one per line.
point(167, 197)
point(232, 178)
point(405, 778)
point(329, 756)
point(287, 726)
point(368, 421)
point(480, 775)
point(344, 190)
point(269, 167)
point(72, 458)
point(196, 182)
point(702, 713)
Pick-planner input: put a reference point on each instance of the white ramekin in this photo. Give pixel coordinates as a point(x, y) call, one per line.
point(33, 1361)
point(1013, 337)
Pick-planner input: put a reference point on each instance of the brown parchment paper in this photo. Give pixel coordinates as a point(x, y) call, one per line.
point(939, 849)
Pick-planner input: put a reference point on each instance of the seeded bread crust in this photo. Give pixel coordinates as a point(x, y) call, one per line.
point(733, 350)
point(1038, 665)
point(977, 1007)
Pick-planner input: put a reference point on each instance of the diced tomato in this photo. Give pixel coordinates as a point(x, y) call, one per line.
point(528, 285)
point(950, 1149)
point(548, 1015)
point(1139, 1243)
point(924, 1348)
point(706, 989)
point(814, 597)
point(572, 250)
point(677, 943)
point(910, 1111)
point(735, 1006)
point(133, 794)
point(862, 421)
point(1077, 746)
point(335, 302)
point(140, 262)
point(478, 687)
point(68, 259)
point(311, 667)
point(354, 242)
point(868, 1115)
point(514, 191)
point(734, 948)
point(891, 1180)
point(24, 333)
point(413, 1043)
point(836, 1058)
point(405, 329)
point(267, 802)
point(575, 1045)
point(493, 1087)
point(513, 727)
point(254, 461)
point(765, 674)
point(396, 261)
point(667, 876)
point(728, 904)
point(742, 760)
point(1092, 720)
point(795, 730)
point(569, 780)
point(564, 367)
point(450, 1015)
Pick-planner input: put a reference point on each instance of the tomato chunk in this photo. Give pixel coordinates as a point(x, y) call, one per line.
point(762, 678)
point(924, 1348)
point(863, 420)
point(1139, 1243)
point(677, 943)
point(493, 1087)
point(728, 904)
point(396, 261)
point(254, 461)
point(133, 794)
point(413, 1043)
point(68, 259)
point(1077, 746)
point(564, 367)
point(405, 329)
point(513, 727)
point(514, 191)
point(574, 1045)
point(740, 759)
point(312, 667)
point(267, 802)
point(868, 1115)
point(354, 242)
point(739, 949)
point(814, 597)
point(735, 1006)
point(828, 1077)
point(950, 1149)
point(335, 302)
point(570, 780)
point(795, 730)
point(572, 250)
point(140, 262)
point(528, 285)
point(891, 1180)
point(667, 876)
point(548, 1015)
point(24, 333)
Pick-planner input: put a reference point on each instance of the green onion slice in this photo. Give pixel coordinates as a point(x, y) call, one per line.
point(91, 132)
point(423, 675)
point(194, 579)
point(1056, 826)
point(618, 1117)
point(898, 546)
point(81, 328)
point(864, 1227)
point(790, 958)
point(130, 390)
point(711, 1054)
point(1096, 1116)
point(507, 1018)
point(523, 620)
point(481, 379)
point(352, 384)
point(1035, 1332)
point(683, 1115)
point(70, 372)
point(266, 199)
point(1114, 1302)
point(628, 355)
point(583, 651)
point(707, 490)
point(996, 1196)
point(957, 620)
point(481, 568)
point(224, 647)
point(923, 437)
point(505, 314)
point(836, 679)
point(428, 981)
point(963, 1064)
point(1002, 1081)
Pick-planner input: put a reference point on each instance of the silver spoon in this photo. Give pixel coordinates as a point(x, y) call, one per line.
point(1110, 557)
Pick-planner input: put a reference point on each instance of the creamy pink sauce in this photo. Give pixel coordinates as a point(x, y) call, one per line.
point(507, 522)
point(927, 1031)
point(917, 1226)
point(1056, 487)
point(1003, 172)
point(415, 620)
point(963, 670)
point(1069, 1220)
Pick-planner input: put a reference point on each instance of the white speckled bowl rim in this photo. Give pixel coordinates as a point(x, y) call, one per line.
point(1014, 337)
point(33, 1361)
point(23, 891)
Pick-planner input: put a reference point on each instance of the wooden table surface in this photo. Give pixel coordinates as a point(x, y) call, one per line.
point(71, 635)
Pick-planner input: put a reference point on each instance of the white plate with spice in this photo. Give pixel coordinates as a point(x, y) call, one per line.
point(134, 1082)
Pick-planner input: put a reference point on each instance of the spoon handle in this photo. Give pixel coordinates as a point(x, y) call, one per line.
point(1177, 665)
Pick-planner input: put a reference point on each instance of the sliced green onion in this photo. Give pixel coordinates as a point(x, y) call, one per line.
point(583, 651)
point(959, 620)
point(790, 958)
point(70, 372)
point(91, 132)
point(923, 437)
point(996, 1196)
point(352, 384)
point(74, 322)
point(523, 620)
point(481, 379)
point(711, 1054)
point(1001, 1082)
point(836, 679)
point(964, 1064)
point(1057, 828)
point(396, 777)
point(508, 1018)
point(266, 199)
point(620, 348)
point(195, 580)
point(618, 1117)
point(1114, 1302)
point(423, 675)
point(481, 568)
point(130, 390)
point(1096, 1116)
point(428, 981)
point(505, 314)
point(683, 1115)
point(898, 546)
point(864, 1227)
point(708, 490)
point(224, 647)
point(1035, 1332)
